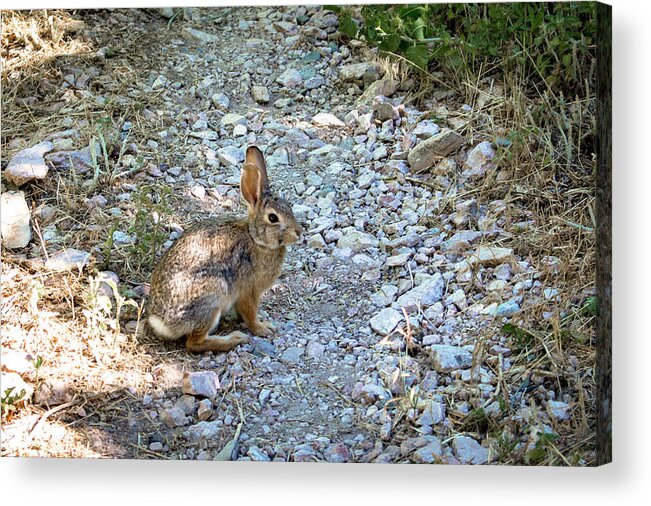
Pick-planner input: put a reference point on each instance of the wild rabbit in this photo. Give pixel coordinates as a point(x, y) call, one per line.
point(223, 263)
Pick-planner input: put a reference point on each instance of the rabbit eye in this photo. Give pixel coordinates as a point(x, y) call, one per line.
point(273, 218)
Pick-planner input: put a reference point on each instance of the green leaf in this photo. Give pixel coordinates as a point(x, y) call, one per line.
point(418, 55)
point(590, 306)
point(522, 337)
point(391, 43)
point(348, 27)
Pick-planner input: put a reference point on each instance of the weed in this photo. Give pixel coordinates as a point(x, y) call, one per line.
point(152, 209)
point(10, 400)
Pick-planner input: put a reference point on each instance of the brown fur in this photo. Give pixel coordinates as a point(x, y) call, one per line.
point(221, 263)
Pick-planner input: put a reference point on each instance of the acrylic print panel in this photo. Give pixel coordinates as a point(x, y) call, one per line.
point(410, 277)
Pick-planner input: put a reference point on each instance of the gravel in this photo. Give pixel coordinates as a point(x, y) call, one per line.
point(376, 243)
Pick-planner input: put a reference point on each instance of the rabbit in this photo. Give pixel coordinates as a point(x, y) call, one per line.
point(223, 263)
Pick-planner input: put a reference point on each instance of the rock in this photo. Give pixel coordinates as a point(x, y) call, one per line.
point(292, 355)
point(166, 12)
point(263, 348)
point(305, 455)
point(365, 179)
point(386, 321)
point(447, 358)
point(232, 119)
point(204, 411)
point(209, 135)
point(506, 309)
point(458, 298)
point(398, 260)
point(559, 410)
point(186, 403)
point(68, 260)
point(230, 156)
point(460, 241)
point(426, 129)
point(410, 445)
point(433, 413)
point(356, 240)
point(469, 451)
point(385, 87)
point(479, 161)
point(314, 82)
point(429, 454)
point(383, 109)
point(285, 26)
point(428, 152)
point(260, 94)
point(203, 384)
point(121, 238)
point(337, 453)
point(220, 101)
point(28, 165)
point(491, 256)
point(291, 78)
point(156, 446)
point(429, 292)
point(15, 220)
point(385, 295)
point(194, 35)
point(315, 350)
point(203, 431)
point(356, 71)
point(316, 241)
point(257, 455)
point(174, 417)
point(327, 120)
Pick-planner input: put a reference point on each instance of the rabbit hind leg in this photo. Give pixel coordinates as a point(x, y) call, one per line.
point(199, 339)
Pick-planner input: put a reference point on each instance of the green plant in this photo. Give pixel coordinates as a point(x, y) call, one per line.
point(148, 225)
point(549, 42)
point(542, 449)
point(10, 400)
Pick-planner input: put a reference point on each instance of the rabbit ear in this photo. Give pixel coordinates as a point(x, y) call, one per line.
point(254, 157)
point(250, 185)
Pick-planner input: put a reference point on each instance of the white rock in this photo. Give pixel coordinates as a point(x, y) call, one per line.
point(198, 36)
point(220, 101)
point(469, 451)
point(316, 241)
point(447, 358)
point(356, 71)
point(28, 165)
point(398, 260)
point(15, 220)
point(427, 293)
point(291, 78)
point(204, 384)
point(67, 260)
point(260, 94)
point(386, 321)
point(327, 120)
point(230, 156)
point(232, 119)
point(491, 256)
point(428, 152)
point(559, 410)
point(479, 160)
point(356, 240)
